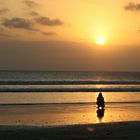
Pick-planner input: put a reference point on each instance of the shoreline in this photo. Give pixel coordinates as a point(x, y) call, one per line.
point(111, 131)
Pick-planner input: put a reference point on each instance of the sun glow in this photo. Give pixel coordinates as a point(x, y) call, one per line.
point(100, 41)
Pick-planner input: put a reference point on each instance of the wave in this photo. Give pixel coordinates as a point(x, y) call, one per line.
point(69, 103)
point(66, 82)
point(117, 89)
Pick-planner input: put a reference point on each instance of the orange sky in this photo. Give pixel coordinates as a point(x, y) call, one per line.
point(27, 26)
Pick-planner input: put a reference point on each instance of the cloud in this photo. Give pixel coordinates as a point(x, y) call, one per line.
point(33, 13)
point(49, 33)
point(49, 22)
point(19, 23)
point(4, 10)
point(31, 4)
point(132, 6)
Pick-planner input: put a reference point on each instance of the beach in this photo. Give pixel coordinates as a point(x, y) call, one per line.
point(110, 131)
point(68, 115)
point(69, 122)
point(69, 70)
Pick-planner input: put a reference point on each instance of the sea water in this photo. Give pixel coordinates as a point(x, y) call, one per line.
point(68, 87)
point(52, 98)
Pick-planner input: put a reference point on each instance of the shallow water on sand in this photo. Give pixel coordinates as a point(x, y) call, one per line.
point(67, 114)
point(66, 97)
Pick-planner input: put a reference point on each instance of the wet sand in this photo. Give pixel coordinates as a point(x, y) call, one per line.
point(119, 121)
point(110, 131)
point(67, 114)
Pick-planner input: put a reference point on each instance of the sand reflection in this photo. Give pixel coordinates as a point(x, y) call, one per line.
point(100, 115)
point(67, 114)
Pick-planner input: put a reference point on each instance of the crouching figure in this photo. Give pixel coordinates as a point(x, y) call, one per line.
point(100, 101)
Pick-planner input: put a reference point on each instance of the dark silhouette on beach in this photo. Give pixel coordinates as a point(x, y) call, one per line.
point(100, 101)
point(100, 114)
point(100, 105)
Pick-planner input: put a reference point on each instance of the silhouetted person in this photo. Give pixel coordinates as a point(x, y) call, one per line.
point(100, 114)
point(100, 101)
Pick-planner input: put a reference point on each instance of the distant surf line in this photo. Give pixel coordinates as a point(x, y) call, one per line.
point(69, 82)
point(70, 89)
point(68, 103)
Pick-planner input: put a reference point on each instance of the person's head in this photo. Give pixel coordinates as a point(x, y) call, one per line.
point(100, 94)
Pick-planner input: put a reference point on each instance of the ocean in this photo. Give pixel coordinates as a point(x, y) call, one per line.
point(66, 98)
point(19, 87)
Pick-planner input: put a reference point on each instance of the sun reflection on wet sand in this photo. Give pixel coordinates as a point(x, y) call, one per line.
point(62, 114)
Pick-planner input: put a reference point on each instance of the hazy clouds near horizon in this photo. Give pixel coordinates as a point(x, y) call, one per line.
point(53, 55)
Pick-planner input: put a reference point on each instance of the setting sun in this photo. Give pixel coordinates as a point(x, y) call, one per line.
point(100, 42)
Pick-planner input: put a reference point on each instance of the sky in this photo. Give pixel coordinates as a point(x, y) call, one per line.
point(62, 35)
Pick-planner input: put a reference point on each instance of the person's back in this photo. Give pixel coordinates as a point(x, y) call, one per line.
point(100, 101)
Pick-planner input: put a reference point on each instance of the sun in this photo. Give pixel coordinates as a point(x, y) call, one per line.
point(100, 41)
